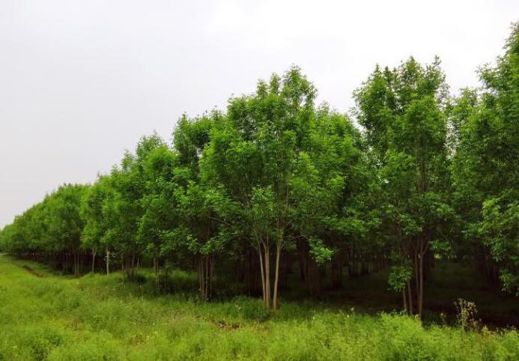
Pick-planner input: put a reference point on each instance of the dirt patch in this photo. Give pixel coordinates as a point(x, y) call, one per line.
point(32, 271)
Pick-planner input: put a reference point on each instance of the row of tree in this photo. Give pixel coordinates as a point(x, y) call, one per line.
point(276, 183)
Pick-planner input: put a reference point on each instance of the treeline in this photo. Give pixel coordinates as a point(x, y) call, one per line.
point(276, 184)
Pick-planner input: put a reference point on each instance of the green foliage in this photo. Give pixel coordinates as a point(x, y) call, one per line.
point(484, 169)
point(404, 113)
point(53, 226)
point(499, 230)
point(399, 277)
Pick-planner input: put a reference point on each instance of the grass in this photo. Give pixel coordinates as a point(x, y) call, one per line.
point(101, 318)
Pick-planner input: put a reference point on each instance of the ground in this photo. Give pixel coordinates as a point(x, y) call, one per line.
point(44, 316)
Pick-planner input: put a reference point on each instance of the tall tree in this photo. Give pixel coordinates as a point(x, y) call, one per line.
point(403, 112)
point(94, 212)
point(485, 173)
point(255, 156)
point(63, 223)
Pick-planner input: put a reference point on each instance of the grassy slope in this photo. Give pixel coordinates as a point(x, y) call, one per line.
point(100, 318)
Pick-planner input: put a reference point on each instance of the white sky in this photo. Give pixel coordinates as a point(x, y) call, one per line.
point(81, 81)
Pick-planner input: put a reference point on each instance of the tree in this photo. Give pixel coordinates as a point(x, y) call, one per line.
point(484, 168)
point(64, 222)
point(96, 229)
point(159, 203)
point(403, 112)
point(255, 156)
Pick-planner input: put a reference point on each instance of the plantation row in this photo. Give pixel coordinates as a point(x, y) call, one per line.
point(276, 184)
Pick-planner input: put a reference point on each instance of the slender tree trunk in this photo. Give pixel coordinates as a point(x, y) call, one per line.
point(156, 265)
point(107, 262)
point(267, 277)
point(94, 251)
point(417, 280)
point(132, 266)
point(276, 277)
point(262, 269)
point(200, 277)
point(211, 276)
point(206, 277)
point(420, 286)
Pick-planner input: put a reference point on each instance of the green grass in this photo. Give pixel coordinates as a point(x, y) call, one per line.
point(101, 318)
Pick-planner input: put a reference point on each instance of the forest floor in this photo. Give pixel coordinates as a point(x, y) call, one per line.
point(449, 282)
point(44, 316)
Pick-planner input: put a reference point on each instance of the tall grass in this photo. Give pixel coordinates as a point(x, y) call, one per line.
point(101, 318)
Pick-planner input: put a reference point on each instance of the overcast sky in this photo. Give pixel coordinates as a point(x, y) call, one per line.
point(81, 81)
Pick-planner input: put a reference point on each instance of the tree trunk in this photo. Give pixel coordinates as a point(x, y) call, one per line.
point(132, 266)
point(417, 280)
point(420, 286)
point(263, 282)
point(276, 278)
point(267, 277)
point(156, 265)
point(205, 276)
point(107, 262)
point(94, 251)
